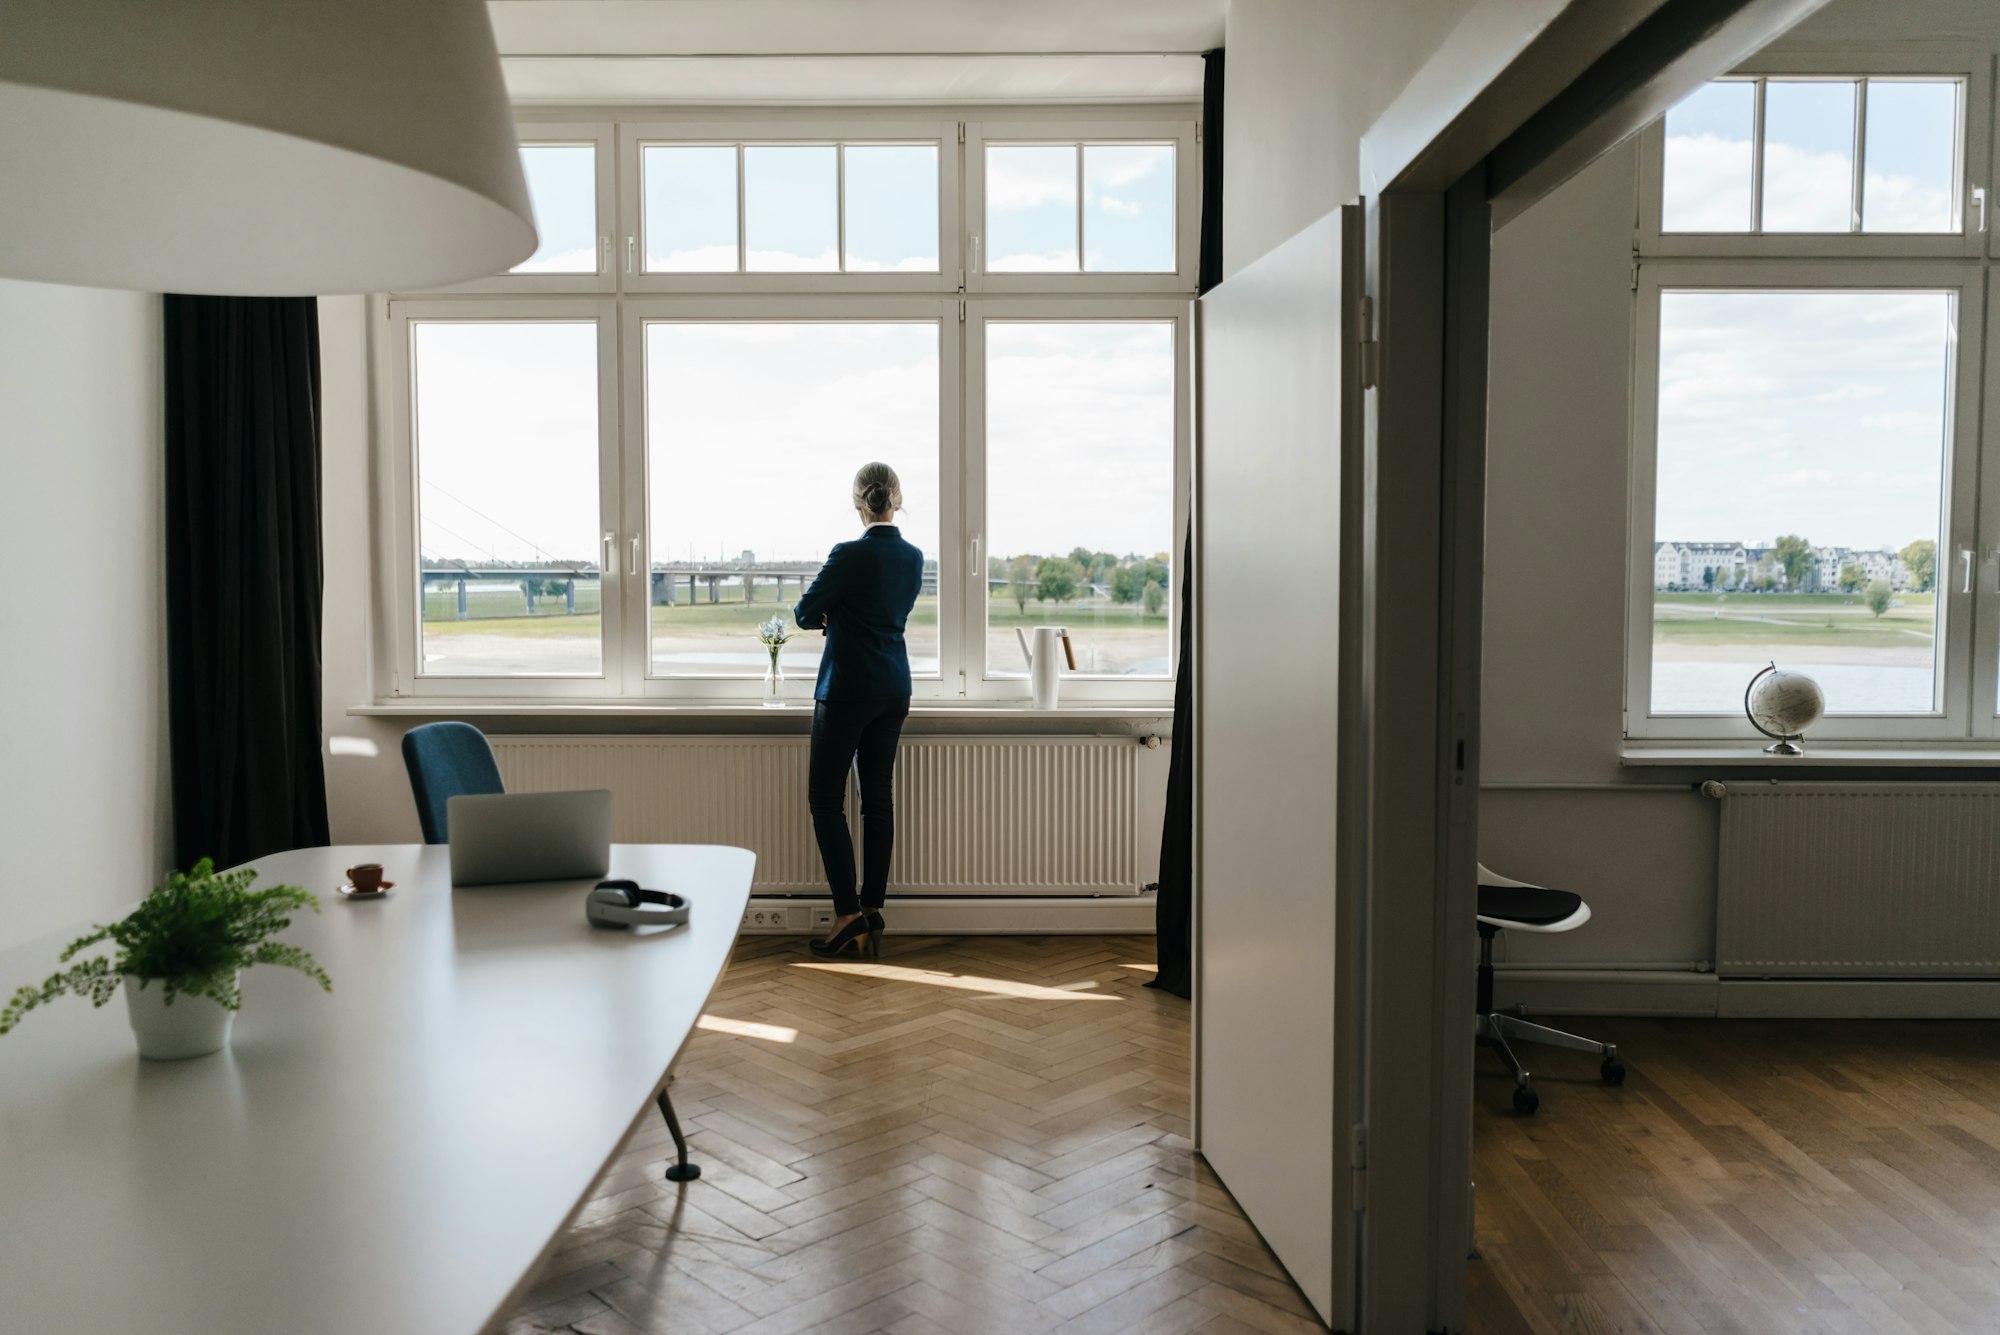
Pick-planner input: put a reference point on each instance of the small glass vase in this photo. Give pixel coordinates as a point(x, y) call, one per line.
point(774, 684)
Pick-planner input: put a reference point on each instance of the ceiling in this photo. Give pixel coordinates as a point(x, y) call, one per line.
point(666, 52)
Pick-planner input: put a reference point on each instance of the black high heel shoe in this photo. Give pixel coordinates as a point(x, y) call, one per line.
point(860, 933)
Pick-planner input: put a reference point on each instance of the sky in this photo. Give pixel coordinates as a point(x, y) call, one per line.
point(791, 197)
point(754, 430)
point(1910, 182)
point(1822, 413)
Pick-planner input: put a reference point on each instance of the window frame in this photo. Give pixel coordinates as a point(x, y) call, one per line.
point(602, 135)
point(399, 487)
point(634, 136)
point(1964, 683)
point(1183, 134)
point(981, 681)
point(1836, 64)
point(622, 302)
point(636, 516)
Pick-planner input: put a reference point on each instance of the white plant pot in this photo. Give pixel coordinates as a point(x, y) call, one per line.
point(191, 1027)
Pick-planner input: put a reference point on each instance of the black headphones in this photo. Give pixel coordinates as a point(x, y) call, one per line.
point(622, 904)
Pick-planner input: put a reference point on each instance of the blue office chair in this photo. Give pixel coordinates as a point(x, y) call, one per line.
point(447, 760)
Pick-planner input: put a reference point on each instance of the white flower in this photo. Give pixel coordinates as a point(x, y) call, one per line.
point(773, 632)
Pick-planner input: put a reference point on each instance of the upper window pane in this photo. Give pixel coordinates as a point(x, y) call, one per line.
point(892, 208)
point(1709, 160)
point(690, 194)
point(753, 435)
point(1808, 156)
point(1913, 153)
point(1080, 492)
point(1031, 218)
point(1128, 218)
point(791, 197)
point(1801, 474)
point(507, 497)
point(562, 187)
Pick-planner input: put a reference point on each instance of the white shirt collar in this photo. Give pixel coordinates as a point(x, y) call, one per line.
point(880, 523)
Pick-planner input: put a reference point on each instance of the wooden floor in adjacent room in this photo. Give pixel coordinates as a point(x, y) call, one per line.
point(1750, 1176)
point(973, 1134)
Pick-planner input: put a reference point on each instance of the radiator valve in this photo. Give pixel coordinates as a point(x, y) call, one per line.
point(1714, 788)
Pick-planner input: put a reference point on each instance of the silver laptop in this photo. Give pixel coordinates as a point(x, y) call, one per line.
point(502, 838)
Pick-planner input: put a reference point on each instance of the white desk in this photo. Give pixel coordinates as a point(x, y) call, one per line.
point(392, 1157)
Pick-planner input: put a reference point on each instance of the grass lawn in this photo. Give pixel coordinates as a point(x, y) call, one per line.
point(1798, 619)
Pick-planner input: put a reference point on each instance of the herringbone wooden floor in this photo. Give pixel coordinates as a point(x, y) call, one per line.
point(973, 1134)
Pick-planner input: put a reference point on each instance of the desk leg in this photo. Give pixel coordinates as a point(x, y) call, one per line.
point(682, 1171)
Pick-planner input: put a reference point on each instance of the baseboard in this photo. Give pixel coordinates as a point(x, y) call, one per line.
point(1866, 999)
point(1676, 993)
point(1606, 991)
point(983, 916)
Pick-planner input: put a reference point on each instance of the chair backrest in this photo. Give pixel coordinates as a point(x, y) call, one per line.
point(447, 760)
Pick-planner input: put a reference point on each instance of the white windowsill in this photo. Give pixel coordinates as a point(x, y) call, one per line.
point(798, 709)
point(1844, 755)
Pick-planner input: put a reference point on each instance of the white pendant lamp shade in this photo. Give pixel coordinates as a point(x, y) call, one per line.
point(256, 147)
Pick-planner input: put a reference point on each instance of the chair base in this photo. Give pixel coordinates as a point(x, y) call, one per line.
point(1492, 1030)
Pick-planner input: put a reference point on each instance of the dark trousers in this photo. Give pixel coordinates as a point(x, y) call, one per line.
point(862, 735)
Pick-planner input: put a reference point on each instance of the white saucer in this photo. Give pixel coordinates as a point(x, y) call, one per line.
point(347, 889)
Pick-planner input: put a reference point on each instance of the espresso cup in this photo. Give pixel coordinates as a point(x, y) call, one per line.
point(367, 878)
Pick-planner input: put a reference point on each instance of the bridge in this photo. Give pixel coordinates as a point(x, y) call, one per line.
point(534, 578)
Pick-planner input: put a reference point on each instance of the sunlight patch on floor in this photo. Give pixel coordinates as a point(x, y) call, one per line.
point(770, 1033)
point(995, 987)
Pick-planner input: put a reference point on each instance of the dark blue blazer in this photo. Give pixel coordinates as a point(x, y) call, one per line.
point(862, 598)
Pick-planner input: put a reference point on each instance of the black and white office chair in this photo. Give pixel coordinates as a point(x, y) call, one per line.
point(1509, 905)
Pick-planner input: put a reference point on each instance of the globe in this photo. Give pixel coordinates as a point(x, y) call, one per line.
point(1783, 704)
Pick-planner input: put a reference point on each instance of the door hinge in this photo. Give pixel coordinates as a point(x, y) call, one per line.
point(1357, 1162)
point(1368, 350)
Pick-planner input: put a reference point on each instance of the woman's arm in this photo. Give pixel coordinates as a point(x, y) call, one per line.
point(824, 593)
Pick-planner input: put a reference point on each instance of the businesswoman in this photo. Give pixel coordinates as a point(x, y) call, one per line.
point(861, 598)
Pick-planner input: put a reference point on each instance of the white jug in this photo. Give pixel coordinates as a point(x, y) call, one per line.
point(1044, 669)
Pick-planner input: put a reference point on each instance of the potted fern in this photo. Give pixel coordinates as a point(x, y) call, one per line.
point(180, 952)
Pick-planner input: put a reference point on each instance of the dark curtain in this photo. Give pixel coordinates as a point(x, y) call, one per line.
point(1175, 904)
point(243, 576)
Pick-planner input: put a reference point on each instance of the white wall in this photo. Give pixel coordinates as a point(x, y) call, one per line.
point(1305, 79)
point(1557, 473)
point(84, 789)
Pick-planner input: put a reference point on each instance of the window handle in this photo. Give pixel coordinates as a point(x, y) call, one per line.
point(631, 253)
point(603, 254)
point(976, 238)
point(1965, 561)
point(608, 564)
point(1979, 202)
point(632, 559)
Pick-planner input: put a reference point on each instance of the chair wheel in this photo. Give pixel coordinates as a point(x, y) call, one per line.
point(1526, 1100)
point(1612, 1070)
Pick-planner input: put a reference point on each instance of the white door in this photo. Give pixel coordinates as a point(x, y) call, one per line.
point(1271, 1106)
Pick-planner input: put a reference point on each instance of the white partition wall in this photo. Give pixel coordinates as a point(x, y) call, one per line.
point(1269, 1120)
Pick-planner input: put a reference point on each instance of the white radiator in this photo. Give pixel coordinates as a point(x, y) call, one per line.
point(1853, 880)
point(974, 815)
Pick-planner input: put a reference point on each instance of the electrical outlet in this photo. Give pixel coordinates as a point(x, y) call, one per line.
point(822, 918)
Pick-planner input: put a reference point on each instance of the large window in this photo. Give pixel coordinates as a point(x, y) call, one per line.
point(1810, 457)
point(612, 464)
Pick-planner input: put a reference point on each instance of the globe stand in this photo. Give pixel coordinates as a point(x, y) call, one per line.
point(1792, 744)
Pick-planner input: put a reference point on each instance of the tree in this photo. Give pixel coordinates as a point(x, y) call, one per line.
point(1021, 581)
point(1708, 578)
point(1126, 581)
point(1155, 598)
point(1921, 558)
point(1055, 580)
point(1852, 577)
point(1877, 597)
point(1795, 556)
